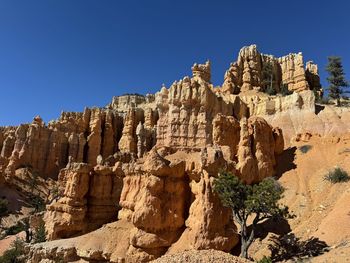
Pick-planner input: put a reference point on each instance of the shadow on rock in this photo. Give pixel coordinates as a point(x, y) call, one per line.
point(279, 227)
point(285, 161)
point(318, 108)
point(290, 247)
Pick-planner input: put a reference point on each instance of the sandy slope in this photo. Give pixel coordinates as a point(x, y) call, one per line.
point(5, 243)
point(321, 209)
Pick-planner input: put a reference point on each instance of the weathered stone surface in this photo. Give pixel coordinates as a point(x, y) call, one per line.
point(80, 137)
point(293, 72)
point(256, 150)
point(313, 78)
point(160, 154)
point(209, 225)
point(88, 200)
point(232, 80)
point(186, 112)
point(202, 71)
point(124, 102)
point(127, 142)
point(65, 217)
point(247, 73)
point(260, 104)
point(249, 61)
point(154, 199)
point(226, 132)
point(297, 114)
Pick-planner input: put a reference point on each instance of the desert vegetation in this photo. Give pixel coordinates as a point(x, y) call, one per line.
point(259, 201)
point(337, 175)
point(3, 207)
point(15, 254)
point(305, 148)
point(336, 79)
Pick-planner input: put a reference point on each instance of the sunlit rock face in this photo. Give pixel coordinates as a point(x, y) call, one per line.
point(151, 160)
point(246, 73)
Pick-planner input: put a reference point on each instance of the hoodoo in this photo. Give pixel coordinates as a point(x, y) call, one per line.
point(145, 165)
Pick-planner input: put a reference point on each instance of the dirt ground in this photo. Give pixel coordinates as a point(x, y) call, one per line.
point(321, 209)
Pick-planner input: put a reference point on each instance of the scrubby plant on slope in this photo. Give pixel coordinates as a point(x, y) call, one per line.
point(337, 175)
point(305, 148)
point(284, 90)
point(16, 253)
point(39, 235)
point(3, 207)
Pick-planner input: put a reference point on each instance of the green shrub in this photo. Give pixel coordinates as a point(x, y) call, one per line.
point(305, 148)
point(3, 207)
point(15, 229)
point(38, 204)
point(271, 91)
point(338, 175)
point(15, 254)
point(54, 193)
point(325, 101)
point(265, 259)
point(284, 90)
point(40, 235)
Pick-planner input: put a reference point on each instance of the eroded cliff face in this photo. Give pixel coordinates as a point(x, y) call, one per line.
point(151, 160)
point(180, 116)
point(89, 198)
point(80, 137)
point(247, 73)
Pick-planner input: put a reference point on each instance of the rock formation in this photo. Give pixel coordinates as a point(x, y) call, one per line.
point(89, 199)
point(293, 72)
point(154, 200)
point(247, 72)
point(186, 111)
point(150, 161)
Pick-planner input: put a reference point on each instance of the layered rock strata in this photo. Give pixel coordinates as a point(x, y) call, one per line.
point(150, 161)
point(180, 116)
point(89, 198)
point(247, 73)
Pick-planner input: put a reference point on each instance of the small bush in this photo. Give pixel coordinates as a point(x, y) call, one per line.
point(265, 259)
point(38, 204)
point(3, 207)
point(271, 91)
point(305, 148)
point(284, 90)
point(15, 254)
point(40, 235)
point(325, 101)
point(54, 193)
point(338, 175)
point(33, 181)
point(15, 229)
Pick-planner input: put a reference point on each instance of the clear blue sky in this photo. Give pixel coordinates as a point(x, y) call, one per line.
point(66, 54)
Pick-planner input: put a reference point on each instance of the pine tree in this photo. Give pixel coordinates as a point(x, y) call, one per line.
point(261, 201)
point(336, 78)
point(39, 235)
point(267, 78)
